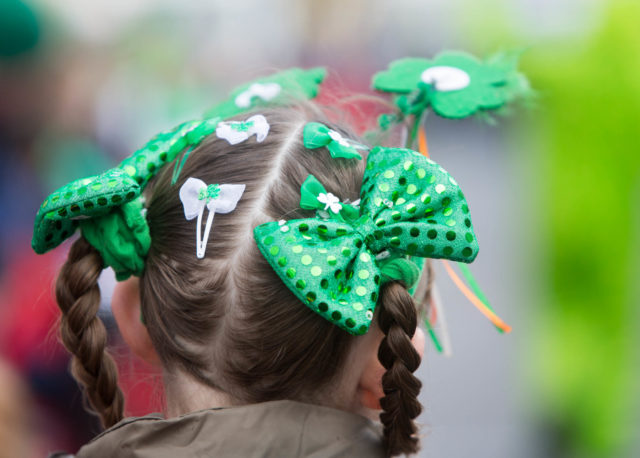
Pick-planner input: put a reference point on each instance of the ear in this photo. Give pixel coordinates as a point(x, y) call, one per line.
point(125, 305)
point(370, 385)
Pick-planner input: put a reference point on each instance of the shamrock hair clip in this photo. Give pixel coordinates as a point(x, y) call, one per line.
point(335, 265)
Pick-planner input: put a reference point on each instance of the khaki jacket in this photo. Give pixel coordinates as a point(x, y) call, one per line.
point(276, 429)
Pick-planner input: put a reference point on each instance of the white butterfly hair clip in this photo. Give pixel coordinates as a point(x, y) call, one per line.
point(195, 195)
point(238, 131)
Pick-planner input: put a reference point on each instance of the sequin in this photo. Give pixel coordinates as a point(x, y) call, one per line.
point(447, 211)
point(336, 315)
point(297, 249)
point(408, 166)
point(331, 260)
point(447, 251)
point(414, 232)
point(323, 307)
point(274, 250)
point(361, 291)
point(303, 227)
point(316, 271)
point(412, 189)
point(306, 259)
point(282, 261)
point(369, 315)
point(466, 252)
point(421, 173)
point(311, 296)
point(350, 322)
point(451, 236)
point(384, 187)
point(468, 237)
point(432, 234)
point(425, 198)
point(345, 251)
point(365, 257)
point(388, 174)
point(363, 274)
point(451, 222)
point(400, 201)
point(411, 209)
point(440, 188)
point(396, 231)
point(301, 284)
point(291, 272)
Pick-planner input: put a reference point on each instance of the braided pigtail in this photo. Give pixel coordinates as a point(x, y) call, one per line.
point(397, 320)
point(83, 333)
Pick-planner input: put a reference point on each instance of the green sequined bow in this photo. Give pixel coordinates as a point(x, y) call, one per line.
point(409, 206)
point(317, 135)
point(274, 90)
point(108, 208)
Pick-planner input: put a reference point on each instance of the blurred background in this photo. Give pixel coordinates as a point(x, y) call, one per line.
point(554, 193)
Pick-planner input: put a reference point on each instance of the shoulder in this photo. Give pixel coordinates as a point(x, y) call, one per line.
point(276, 428)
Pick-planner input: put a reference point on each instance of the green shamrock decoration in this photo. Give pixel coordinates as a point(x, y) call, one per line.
point(317, 135)
point(335, 264)
point(454, 84)
point(278, 89)
point(108, 207)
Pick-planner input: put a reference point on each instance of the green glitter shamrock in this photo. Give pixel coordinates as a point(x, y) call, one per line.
point(454, 84)
point(278, 89)
point(212, 192)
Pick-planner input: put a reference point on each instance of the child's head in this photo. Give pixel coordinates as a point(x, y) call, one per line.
point(227, 321)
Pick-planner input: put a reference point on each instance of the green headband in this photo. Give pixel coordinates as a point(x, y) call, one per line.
point(335, 262)
point(108, 208)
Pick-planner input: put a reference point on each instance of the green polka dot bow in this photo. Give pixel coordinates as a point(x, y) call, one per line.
point(335, 262)
point(453, 84)
point(317, 135)
point(108, 208)
point(274, 90)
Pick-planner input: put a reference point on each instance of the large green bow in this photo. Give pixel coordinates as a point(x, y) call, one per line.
point(409, 206)
point(108, 207)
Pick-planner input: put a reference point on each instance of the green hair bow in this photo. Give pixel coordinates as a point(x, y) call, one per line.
point(108, 208)
point(335, 262)
point(317, 135)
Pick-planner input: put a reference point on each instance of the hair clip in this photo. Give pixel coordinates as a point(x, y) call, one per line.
point(238, 131)
point(317, 135)
point(195, 195)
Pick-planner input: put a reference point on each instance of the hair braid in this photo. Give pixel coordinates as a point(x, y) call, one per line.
point(397, 320)
point(83, 333)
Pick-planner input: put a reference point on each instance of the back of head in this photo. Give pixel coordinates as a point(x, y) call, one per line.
point(227, 320)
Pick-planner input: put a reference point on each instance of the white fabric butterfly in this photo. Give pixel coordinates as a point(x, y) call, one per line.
point(195, 195)
point(266, 91)
point(238, 131)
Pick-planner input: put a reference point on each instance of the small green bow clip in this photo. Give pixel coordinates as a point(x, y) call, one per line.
point(410, 206)
point(317, 135)
point(108, 207)
point(454, 84)
point(281, 88)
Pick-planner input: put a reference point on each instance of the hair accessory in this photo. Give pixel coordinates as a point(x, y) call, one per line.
point(264, 91)
point(108, 208)
point(281, 88)
point(317, 135)
point(330, 263)
point(454, 84)
point(238, 131)
point(195, 195)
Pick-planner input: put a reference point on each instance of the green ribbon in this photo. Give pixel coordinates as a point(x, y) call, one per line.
point(317, 135)
point(122, 238)
point(336, 262)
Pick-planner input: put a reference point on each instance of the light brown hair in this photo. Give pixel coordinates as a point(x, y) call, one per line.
point(228, 320)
